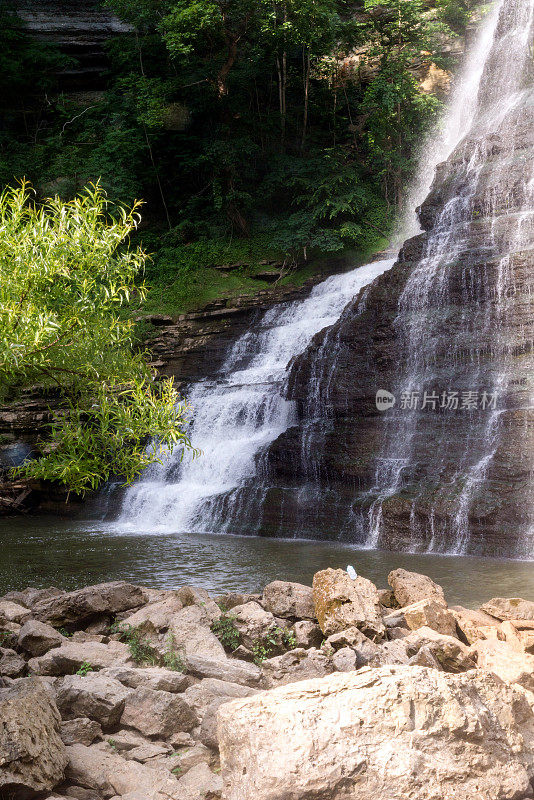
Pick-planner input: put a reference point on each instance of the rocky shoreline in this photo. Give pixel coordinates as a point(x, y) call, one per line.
point(328, 692)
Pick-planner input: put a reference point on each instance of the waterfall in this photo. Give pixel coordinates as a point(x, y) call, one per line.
point(236, 416)
point(494, 120)
point(454, 125)
point(292, 441)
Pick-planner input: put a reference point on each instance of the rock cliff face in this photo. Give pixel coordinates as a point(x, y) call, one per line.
point(454, 319)
point(188, 349)
point(80, 29)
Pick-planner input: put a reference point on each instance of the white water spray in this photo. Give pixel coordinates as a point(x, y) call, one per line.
point(242, 412)
point(238, 415)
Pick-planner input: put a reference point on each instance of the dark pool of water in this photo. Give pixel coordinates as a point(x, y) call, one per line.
point(43, 552)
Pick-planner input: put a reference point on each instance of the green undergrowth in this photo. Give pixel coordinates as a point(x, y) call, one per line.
point(144, 653)
point(184, 278)
point(263, 648)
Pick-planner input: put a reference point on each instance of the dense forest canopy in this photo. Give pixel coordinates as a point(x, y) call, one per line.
point(280, 126)
point(284, 128)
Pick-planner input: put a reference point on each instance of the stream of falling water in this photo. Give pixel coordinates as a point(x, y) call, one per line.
point(238, 415)
point(482, 105)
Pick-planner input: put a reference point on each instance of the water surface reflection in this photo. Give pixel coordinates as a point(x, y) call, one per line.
point(43, 552)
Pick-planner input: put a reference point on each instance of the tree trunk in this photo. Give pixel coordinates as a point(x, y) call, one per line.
point(306, 78)
point(222, 77)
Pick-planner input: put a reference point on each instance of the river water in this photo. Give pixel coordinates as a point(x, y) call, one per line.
point(44, 551)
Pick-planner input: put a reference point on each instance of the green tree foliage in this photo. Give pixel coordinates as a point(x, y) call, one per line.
point(240, 120)
point(398, 113)
point(64, 276)
point(455, 14)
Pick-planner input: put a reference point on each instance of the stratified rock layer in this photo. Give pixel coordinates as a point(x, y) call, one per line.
point(454, 315)
point(393, 733)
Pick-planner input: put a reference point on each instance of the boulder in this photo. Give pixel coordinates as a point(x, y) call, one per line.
point(199, 754)
point(160, 678)
point(157, 713)
point(99, 625)
point(520, 633)
point(396, 652)
point(200, 782)
point(473, 625)
point(296, 665)
point(71, 655)
point(147, 751)
point(206, 697)
point(32, 755)
point(411, 587)
point(391, 734)
point(181, 739)
point(307, 634)
point(425, 647)
point(208, 727)
point(191, 633)
point(425, 658)
point(394, 619)
point(289, 600)
point(202, 694)
point(398, 632)
point(11, 664)
point(504, 660)
point(84, 636)
point(95, 696)
point(512, 636)
point(192, 596)
point(448, 652)
point(37, 638)
point(80, 730)
point(355, 639)
point(509, 608)
point(9, 634)
point(110, 774)
point(232, 599)
point(13, 612)
point(29, 597)
point(125, 740)
point(523, 624)
point(159, 614)
point(226, 669)
point(253, 623)
point(244, 654)
point(83, 605)
point(345, 660)
point(341, 602)
point(429, 614)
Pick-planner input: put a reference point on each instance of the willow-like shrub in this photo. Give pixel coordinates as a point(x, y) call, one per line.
point(65, 274)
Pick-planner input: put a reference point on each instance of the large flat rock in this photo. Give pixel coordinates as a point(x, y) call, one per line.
point(394, 733)
point(32, 756)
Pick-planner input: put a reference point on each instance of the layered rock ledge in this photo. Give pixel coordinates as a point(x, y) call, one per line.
point(335, 690)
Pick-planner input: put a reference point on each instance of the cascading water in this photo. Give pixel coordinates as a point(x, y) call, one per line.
point(292, 442)
point(426, 299)
point(240, 414)
point(450, 470)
